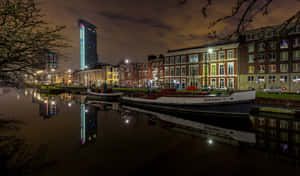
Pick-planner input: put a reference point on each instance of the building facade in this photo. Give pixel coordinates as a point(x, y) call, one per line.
point(128, 75)
point(270, 60)
point(156, 68)
point(88, 45)
point(213, 65)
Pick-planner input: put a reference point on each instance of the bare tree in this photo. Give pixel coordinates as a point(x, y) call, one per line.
point(243, 13)
point(25, 38)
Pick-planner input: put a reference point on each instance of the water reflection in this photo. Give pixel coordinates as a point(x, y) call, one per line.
point(47, 105)
point(278, 137)
point(89, 116)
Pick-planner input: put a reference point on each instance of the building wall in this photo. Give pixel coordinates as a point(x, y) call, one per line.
point(270, 61)
point(186, 68)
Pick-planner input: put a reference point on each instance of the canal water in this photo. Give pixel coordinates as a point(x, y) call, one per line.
point(65, 135)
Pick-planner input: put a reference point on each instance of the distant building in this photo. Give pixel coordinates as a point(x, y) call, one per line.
point(156, 68)
point(51, 62)
point(88, 45)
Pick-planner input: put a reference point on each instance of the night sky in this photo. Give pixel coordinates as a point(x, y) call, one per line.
point(134, 29)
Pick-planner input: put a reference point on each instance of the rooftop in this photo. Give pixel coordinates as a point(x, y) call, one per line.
point(204, 46)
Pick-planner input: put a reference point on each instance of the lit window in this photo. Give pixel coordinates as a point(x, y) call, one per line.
point(230, 54)
point(261, 68)
point(251, 48)
point(230, 83)
point(213, 56)
point(283, 79)
point(230, 68)
point(283, 68)
point(171, 60)
point(177, 59)
point(272, 79)
point(296, 55)
point(183, 59)
point(183, 71)
point(221, 55)
point(167, 60)
point(284, 56)
point(272, 68)
point(221, 69)
point(284, 44)
point(213, 69)
point(213, 83)
point(250, 78)
point(250, 58)
point(193, 58)
point(251, 69)
point(222, 83)
point(296, 67)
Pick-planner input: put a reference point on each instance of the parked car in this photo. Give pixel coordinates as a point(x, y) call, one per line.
point(273, 90)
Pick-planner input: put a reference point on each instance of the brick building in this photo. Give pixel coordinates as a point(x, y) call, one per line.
point(128, 75)
point(213, 65)
point(156, 68)
point(270, 60)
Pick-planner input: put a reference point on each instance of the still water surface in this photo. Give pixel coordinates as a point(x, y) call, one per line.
point(110, 139)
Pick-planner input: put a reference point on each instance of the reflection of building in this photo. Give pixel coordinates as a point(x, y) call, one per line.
point(279, 136)
point(47, 106)
point(88, 124)
point(88, 45)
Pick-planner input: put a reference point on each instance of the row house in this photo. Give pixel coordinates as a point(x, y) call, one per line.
point(214, 65)
point(112, 75)
point(156, 68)
point(144, 75)
point(270, 60)
point(128, 75)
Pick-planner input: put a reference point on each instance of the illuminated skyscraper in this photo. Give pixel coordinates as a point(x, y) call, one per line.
point(88, 125)
point(88, 45)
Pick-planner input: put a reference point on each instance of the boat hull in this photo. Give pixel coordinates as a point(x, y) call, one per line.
point(239, 104)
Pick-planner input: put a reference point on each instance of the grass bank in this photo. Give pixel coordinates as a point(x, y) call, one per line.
point(284, 96)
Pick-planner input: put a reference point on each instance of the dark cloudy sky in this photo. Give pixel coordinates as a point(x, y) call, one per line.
point(134, 29)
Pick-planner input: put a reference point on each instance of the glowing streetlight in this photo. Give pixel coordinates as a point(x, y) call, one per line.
point(210, 50)
point(69, 70)
point(210, 141)
point(126, 61)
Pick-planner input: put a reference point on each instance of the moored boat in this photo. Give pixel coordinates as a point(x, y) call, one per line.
point(103, 95)
point(236, 102)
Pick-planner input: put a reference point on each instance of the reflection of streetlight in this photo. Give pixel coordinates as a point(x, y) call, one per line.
point(69, 104)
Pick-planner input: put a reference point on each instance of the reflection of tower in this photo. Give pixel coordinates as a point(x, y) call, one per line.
point(47, 108)
point(88, 45)
point(88, 124)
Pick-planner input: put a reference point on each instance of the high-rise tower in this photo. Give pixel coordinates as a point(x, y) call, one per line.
point(88, 45)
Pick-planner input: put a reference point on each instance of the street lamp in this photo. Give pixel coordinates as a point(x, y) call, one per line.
point(69, 70)
point(126, 61)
